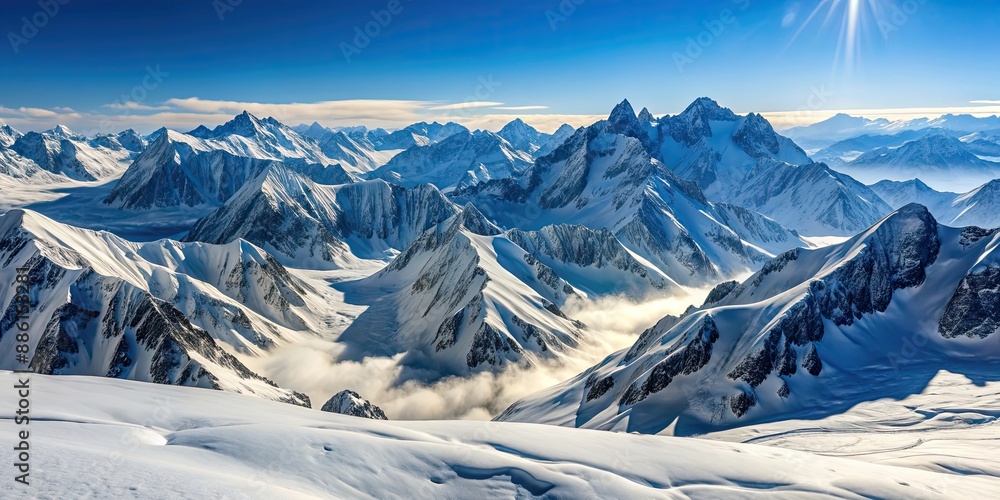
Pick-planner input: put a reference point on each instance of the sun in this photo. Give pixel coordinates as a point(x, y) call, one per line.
point(857, 19)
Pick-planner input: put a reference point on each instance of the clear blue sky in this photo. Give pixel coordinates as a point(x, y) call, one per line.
point(942, 54)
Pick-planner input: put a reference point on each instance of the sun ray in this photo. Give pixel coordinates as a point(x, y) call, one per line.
point(857, 19)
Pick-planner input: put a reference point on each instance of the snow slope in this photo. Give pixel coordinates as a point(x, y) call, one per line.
point(183, 170)
point(979, 207)
point(107, 438)
point(314, 226)
point(524, 137)
point(602, 179)
point(810, 335)
point(813, 199)
point(463, 298)
point(61, 154)
point(158, 312)
point(716, 148)
point(463, 159)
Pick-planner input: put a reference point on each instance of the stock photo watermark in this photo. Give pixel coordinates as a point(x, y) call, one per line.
point(372, 29)
point(22, 389)
point(31, 26)
point(126, 102)
point(562, 12)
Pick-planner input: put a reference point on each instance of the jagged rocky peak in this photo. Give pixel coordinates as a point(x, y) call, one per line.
point(693, 124)
point(131, 140)
point(624, 120)
point(351, 403)
point(474, 221)
point(646, 117)
point(709, 109)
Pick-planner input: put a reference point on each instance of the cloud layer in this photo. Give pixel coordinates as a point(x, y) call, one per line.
point(187, 113)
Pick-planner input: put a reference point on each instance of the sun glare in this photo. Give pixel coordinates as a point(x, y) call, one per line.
point(858, 18)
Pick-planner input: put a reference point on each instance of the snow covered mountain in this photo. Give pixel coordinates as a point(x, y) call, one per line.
point(842, 127)
point(169, 442)
point(317, 225)
point(812, 199)
point(898, 194)
point(850, 149)
point(351, 403)
point(839, 127)
point(354, 156)
point(742, 160)
point(157, 312)
point(179, 170)
point(811, 334)
point(524, 137)
point(463, 159)
point(63, 153)
point(985, 145)
point(709, 144)
point(564, 132)
point(8, 135)
point(417, 134)
point(937, 159)
point(979, 207)
point(247, 135)
point(602, 179)
point(594, 262)
point(463, 298)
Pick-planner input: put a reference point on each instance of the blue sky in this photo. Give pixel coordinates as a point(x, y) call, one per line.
point(186, 62)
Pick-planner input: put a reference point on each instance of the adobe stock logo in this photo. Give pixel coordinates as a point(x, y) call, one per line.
point(364, 34)
point(37, 21)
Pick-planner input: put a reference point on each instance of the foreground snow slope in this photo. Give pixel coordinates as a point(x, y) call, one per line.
point(111, 439)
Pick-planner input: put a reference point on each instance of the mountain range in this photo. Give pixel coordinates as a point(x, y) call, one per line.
point(797, 338)
point(455, 253)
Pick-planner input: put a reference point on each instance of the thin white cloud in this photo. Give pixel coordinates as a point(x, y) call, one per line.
point(465, 105)
point(135, 106)
point(984, 101)
point(520, 108)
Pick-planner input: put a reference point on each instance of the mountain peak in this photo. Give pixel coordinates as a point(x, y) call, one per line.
point(707, 108)
point(624, 121)
point(645, 116)
point(61, 131)
point(474, 220)
point(623, 110)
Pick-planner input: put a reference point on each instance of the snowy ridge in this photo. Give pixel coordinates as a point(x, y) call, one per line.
point(461, 160)
point(593, 262)
point(564, 132)
point(355, 156)
point(317, 225)
point(714, 147)
point(61, 154)
point(103, 309)
point(524, 137)
point(8, 135)
point(811, 198)
point(602, 179)
point(812, 333)
point(979, 207)
point(184, 170)
point(464, 298)
point(936, 159)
